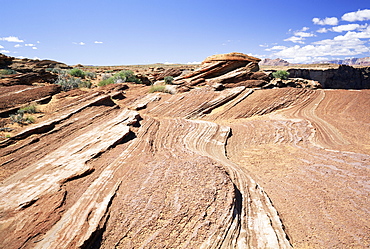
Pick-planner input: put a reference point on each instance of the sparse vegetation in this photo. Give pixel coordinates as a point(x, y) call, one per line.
point(120, 77)
point(281, 74)
point(76, 72)
point(157, 88)
point(21, 119)
point(160, 88)
point(168, 80)
point(69, 82)
point(85, 84)
point(105, 82)
point(28, 109)
point(90, 75)
point(7, 71)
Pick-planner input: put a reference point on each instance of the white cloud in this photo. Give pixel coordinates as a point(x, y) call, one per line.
point(322, 30)
point(346, 45)
point(194, 62)
point(80, 43)
point(98, 42)
point(360, 15)
point(34, 48)
point(327, 21)
point(264, 46)
point(347, 27)
point(38, 42)
point(300, 35)
point(29, 45)
point(17, 45)
point(295, 39)
point(276, 48)
point(1, 46)
point(305, 29)
point(303, 34)
point(11, 39)
point(4, 51)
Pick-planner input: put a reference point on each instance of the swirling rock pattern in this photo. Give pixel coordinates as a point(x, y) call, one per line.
point(238, 168)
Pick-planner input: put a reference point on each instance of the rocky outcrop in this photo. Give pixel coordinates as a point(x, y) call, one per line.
point(222, 68)
point(273, 62)
point(28, 78)
point(174, 72)
point(345, 77)
point(29, 65)
point(293, 82)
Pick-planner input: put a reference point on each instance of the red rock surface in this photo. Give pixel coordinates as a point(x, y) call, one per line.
point(238, 168)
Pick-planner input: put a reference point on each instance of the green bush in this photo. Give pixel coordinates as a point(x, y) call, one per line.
point(7, 71)
point(28, 109)
point(120, 77)
point(76, 72)
point(54, 70)
point(125, 76)
point(281, 74)
point(106, 82)
point(90, 75)
point(159, 88)
point(68, 83)
point(168, 80)
point(85, 84)
point(21, 119)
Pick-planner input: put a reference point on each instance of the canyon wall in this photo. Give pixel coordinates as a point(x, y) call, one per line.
point(345, 77)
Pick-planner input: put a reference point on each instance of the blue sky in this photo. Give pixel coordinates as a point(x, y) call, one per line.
point(127, 32)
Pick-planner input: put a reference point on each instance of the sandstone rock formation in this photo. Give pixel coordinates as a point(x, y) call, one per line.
point(29, 65)
point(116, 167)
point(222, 68)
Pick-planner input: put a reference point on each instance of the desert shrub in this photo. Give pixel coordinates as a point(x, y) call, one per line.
point(90, 75)
point(29, 120)
point(21, 119)
point(54, 70)
point(28, 109)
point(125, 76)
point(106, 82)
point(168, 80)
point(159, 88)
point(7, 71)
point(76, 72)
point(68, 83)
point(16, 118)
point(106, 76)
point(120, 77)
point(85, 84)
point(281, 74)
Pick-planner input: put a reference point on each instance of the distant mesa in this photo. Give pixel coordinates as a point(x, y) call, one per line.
point(350, 62)
point(274, 62)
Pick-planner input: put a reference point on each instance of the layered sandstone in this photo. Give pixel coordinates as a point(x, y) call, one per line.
point(116, 167)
